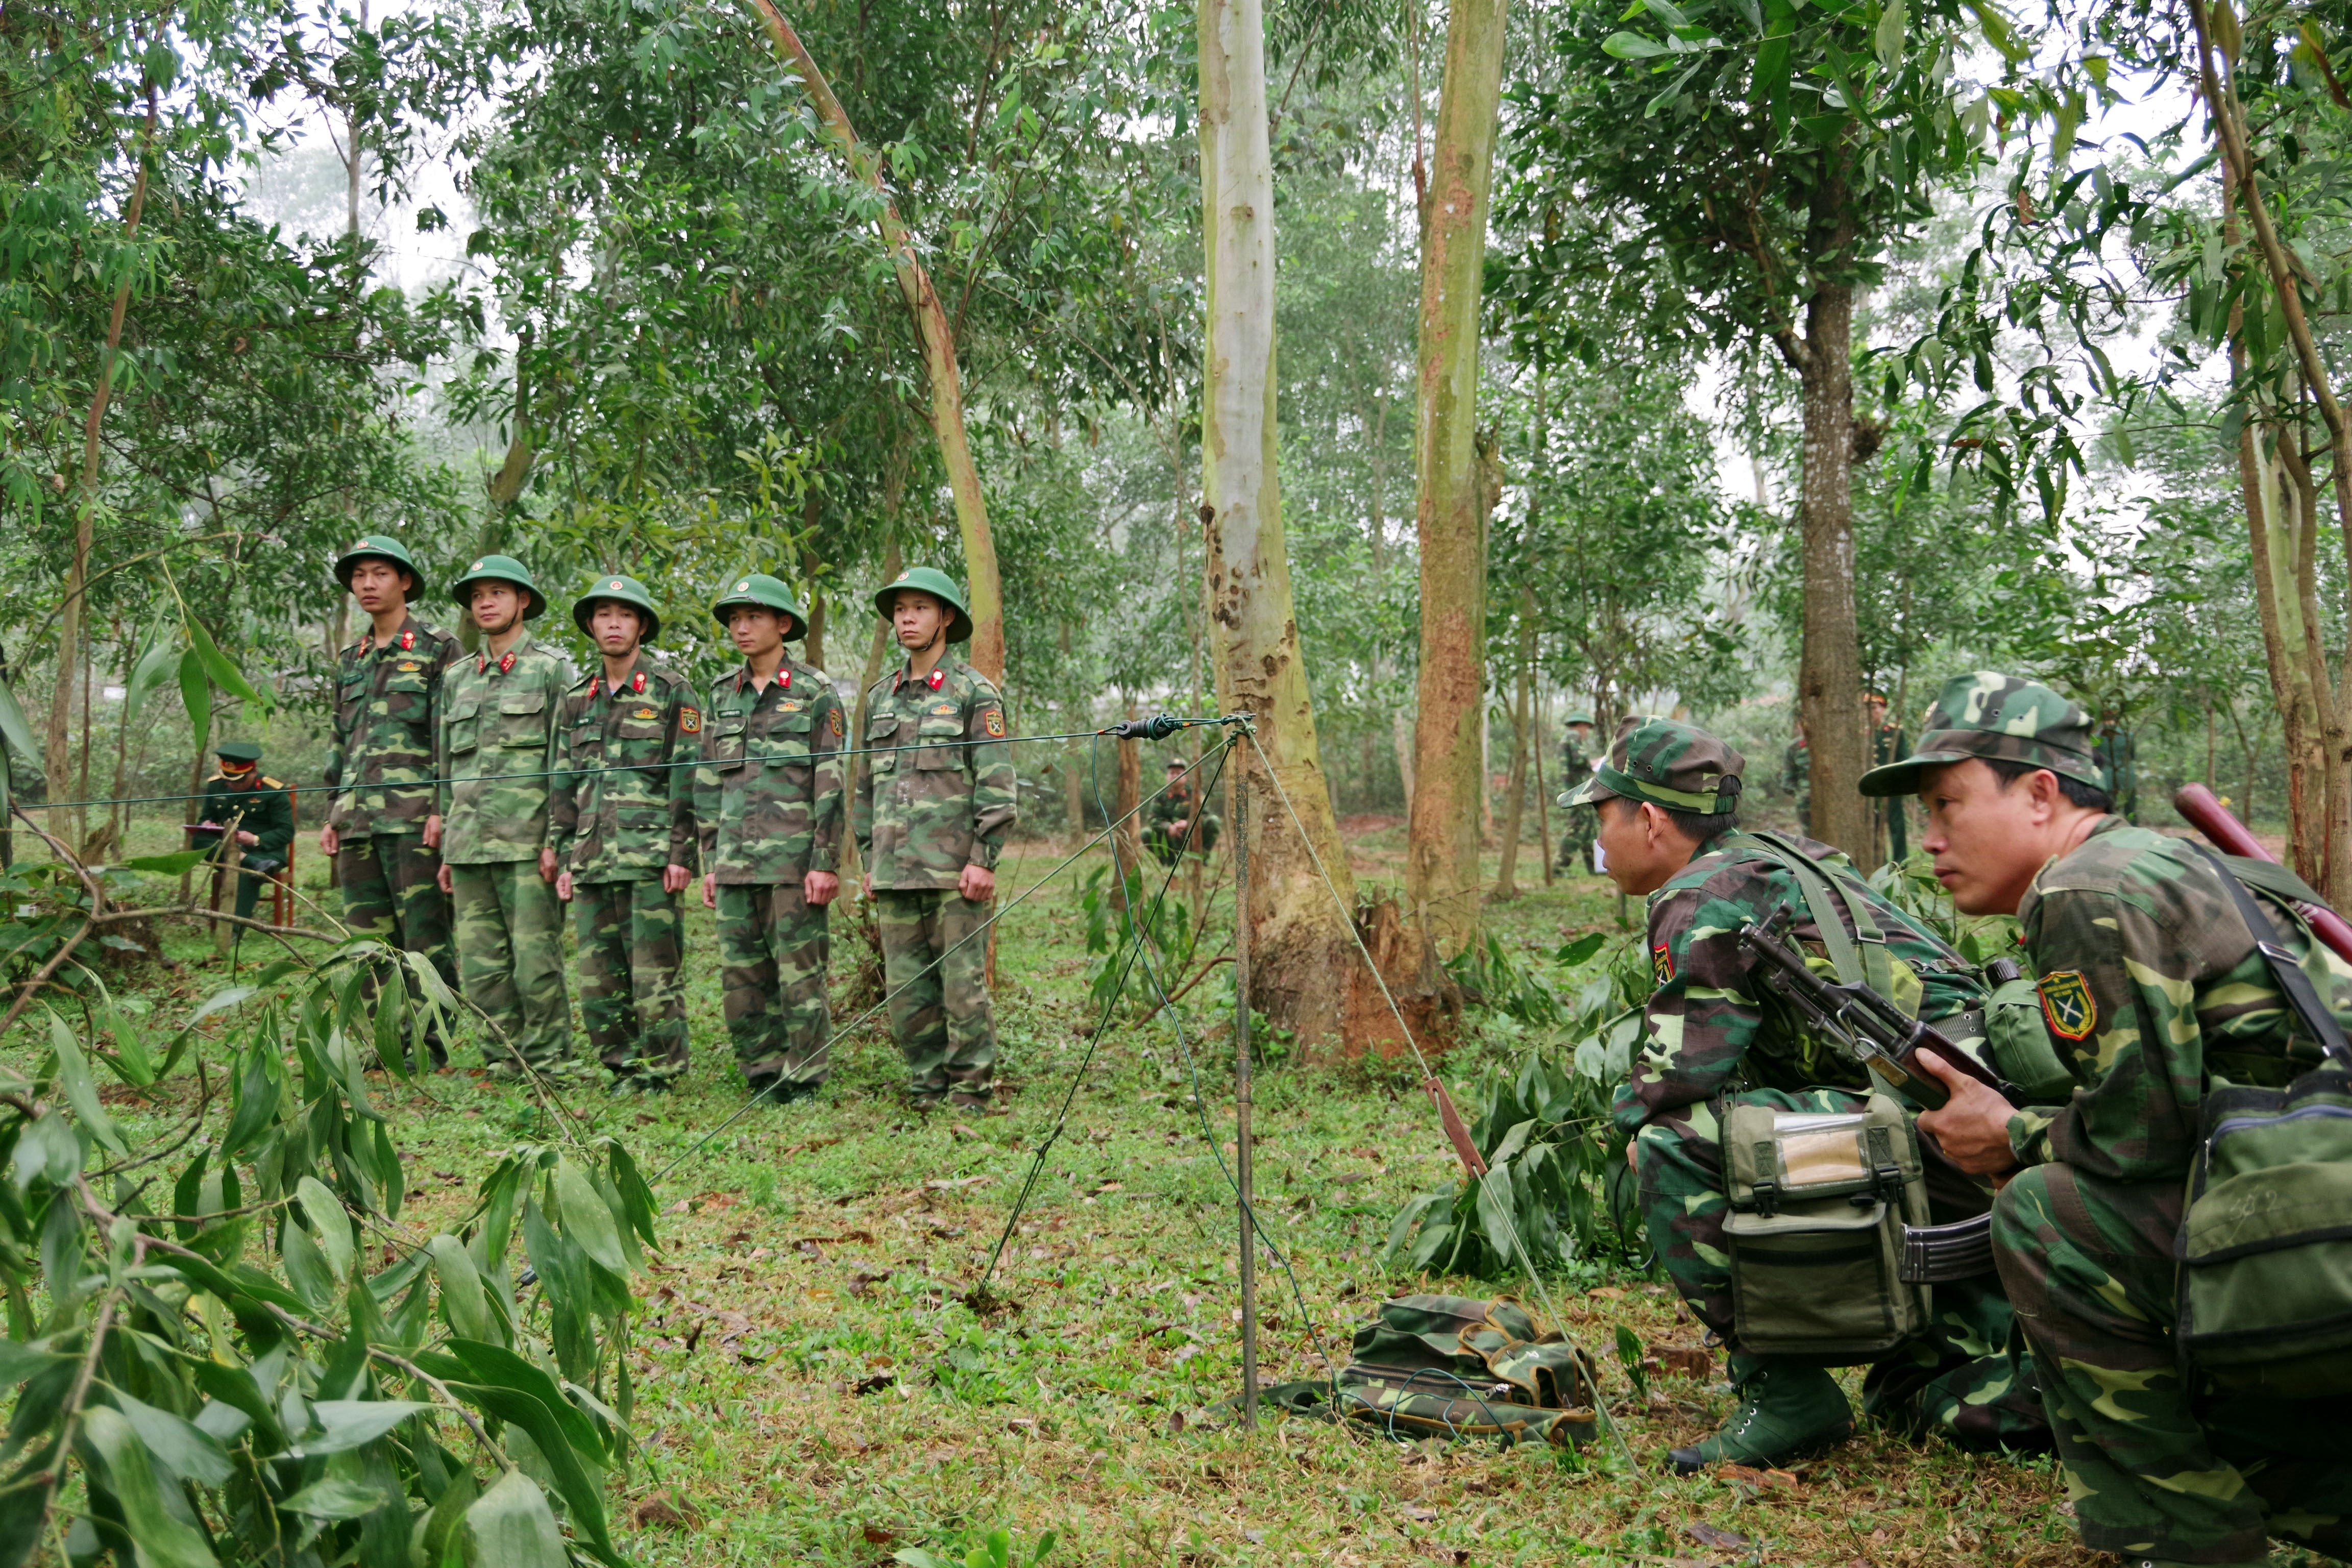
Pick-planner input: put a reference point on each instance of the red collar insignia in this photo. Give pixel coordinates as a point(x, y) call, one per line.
point(506, 663)
point(938, 678)
point(407, 640)
point(637, 682)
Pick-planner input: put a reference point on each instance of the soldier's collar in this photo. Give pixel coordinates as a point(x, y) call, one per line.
point(933, 681)
point(783, 677)
point(505, 661)
point(405, 639)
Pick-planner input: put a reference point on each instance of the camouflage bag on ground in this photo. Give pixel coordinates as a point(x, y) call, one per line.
point(1457, 1366)
point(1818, 1201)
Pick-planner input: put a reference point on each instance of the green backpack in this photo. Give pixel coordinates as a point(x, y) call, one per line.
point(2266, 1249)
point(1457, 1366)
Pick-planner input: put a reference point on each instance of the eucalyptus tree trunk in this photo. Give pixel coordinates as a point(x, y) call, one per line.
point(2273, 527)
point(1301, 938)
point(938, 339)
point(1449, 797)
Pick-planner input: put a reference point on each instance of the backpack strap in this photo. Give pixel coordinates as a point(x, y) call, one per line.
point(1859, 956)
point(2293, 983)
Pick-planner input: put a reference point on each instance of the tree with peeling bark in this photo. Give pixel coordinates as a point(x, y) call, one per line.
point(1735, 172)
point(1456, 491)
point(1300, 939)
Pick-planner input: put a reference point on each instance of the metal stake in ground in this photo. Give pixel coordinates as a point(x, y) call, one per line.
point(1242, 1183)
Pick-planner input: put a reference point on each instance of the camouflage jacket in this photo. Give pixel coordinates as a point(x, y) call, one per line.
point(262, 808)
point(1711, 1028)
point(1172, 804)
point(497, 750)
point(935, 789)
point(387, 714)
point(767, 796)
point(625, 826)
point(2151, 987)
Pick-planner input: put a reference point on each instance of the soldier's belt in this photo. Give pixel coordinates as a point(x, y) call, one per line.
point(1944, 1254)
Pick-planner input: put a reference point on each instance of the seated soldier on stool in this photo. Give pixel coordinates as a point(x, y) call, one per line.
point(239, 799)
point(1716, 1039)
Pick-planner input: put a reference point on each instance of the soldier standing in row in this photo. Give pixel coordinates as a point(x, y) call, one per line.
point(1575, 767)
point(240, 801)
point(623, 820)
point(934, 797)
point(768, 804)
point(381, 765)
point(497, 753)
point(2119, 754)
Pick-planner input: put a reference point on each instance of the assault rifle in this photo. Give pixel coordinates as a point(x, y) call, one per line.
point(1888, 1040)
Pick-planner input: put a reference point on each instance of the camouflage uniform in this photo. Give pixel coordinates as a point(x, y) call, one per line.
point(616, 833)
point(257, 804)
point(1576, 839)
point(768, 799)
point(1178, 800)
point(1714, 1038)
point(935, 793)
point(2118, 753)
point(2152, 987)
point(381, 767)
point(497, 750)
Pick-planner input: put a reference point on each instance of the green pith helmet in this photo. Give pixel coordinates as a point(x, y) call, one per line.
point(380, 547)
point(499, 569)
point(1987, 714)
point(1579, 716)
point(938, 585)
point(762, 592)
point(238, 751)
point(620, 591)
point(1666, 763)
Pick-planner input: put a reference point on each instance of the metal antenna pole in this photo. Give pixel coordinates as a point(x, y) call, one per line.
point(1242, 1095)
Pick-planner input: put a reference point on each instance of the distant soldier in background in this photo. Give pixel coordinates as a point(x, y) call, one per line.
point(240, 801)
point(1887, 743)
point(381, 765)
point(768, 805)
point(934, 797)
point(622, 821)
point(1797, 776)
point(2118, 753)
point(1575, 767)
point(1175, 816)
point(496, 756)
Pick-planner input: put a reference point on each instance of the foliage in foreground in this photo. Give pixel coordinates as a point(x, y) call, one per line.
point(230, 1349)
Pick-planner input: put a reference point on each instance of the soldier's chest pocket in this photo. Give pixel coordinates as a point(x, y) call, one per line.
point(408, 695)
point(726, 743)
point(522, 719)
point(463, 722)
point(881, 737)
point(784, 741)
point(939, 740)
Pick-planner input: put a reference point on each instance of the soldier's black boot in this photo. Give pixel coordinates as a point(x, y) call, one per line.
point(1787, 1410)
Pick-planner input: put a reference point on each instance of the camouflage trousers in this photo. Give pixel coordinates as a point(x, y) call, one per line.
point(1576, 844)
point(510, 954)
point(392, 890)
point(935, 965)
point(772, 952)
point(2152, 1469)
point(1965, 1376)
point(632, 942)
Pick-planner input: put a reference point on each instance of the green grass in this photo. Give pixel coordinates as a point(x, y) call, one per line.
point(812, 1388)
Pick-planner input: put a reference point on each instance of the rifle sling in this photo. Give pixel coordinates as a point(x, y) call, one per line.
point(1859, 956)
point(2293, 982)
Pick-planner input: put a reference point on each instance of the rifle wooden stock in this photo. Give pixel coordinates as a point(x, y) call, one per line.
point(2210, 817)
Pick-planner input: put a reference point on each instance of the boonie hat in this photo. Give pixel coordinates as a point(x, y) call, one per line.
point(1666, 763)
point(1999, 717)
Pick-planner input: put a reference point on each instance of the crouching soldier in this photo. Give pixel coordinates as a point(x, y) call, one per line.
point(623, 820)
point(768, 804)
point(933, 799)
point(498, 754)
point(1721, 1053)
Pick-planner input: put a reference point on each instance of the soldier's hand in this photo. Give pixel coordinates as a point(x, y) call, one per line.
point(1972, 1127)
point(248, 838)
point(978, 883)
point(674, 877)
point(710, 890)
point(433, 831)
point(330, 841)
point(443, 878)
point(819, 887)
point(563, 886)
point(546, 865)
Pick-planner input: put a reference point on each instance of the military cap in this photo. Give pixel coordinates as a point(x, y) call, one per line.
point(1579, 716)
point(378, 547)
point(501, 569)
point(238, 751)
point(762, 592)
point(1666, 763)
point(620, 591)
point(1999, 717)
point(938, 585)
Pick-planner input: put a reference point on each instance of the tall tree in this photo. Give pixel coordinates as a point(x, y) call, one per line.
point(1441, 877)
point(1300, 937)
point(1739, 174)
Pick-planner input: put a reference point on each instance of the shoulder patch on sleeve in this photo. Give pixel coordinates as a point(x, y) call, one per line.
point(689, 721)
point(836, 723)
point(1662, 963)
point(2067, 1004)
point(993, 723)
